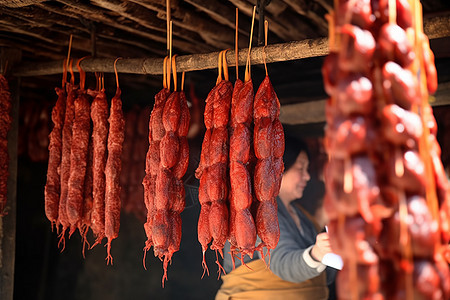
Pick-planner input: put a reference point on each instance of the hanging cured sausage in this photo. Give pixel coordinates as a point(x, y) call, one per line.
point(113, 168)
point(5, 125)
point(166, 164)
point(53, 186)
point(268, 142)
point(99, 116)
point(387, 194)
point(242, 223)
point(81, 130)
point(213, 168)
point(65, 155)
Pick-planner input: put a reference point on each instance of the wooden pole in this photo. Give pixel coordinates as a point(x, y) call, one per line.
point(274, 53)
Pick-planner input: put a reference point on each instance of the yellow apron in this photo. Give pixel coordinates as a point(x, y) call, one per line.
point(256, 281)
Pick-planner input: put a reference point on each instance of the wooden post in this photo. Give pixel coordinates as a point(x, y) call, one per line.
point(8, 222)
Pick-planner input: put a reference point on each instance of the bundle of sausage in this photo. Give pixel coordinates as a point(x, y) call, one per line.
point(268, 141)
point(64, 164)
point(166, 164)
point(82, 189)
point(213, 169)
point(242, 225)
point(387, 193)
point(113, 168)
point(100, 128)
point(5, 125)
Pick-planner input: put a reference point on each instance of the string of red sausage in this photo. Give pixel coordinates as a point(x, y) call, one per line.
point(82, 189)
point(5, 125)
point(166, 163)
point(242, 160)
point(390, 211)
point(113, 168)
point(213, 169)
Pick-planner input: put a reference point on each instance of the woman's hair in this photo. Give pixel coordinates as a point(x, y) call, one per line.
point(293, 147)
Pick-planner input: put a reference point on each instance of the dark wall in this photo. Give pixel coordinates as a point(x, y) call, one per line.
point(44, 272)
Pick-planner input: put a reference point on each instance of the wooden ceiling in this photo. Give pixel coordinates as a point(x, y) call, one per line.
point(137, 29)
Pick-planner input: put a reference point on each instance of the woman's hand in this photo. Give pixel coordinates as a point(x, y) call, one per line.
point(321, 247)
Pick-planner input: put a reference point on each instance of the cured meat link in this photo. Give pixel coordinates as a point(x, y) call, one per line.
point(218, 224)
point(52, 190)
point(208, 115)
point(241, 187)
point(78, 161)
point(169, 150)
point(88, 203)
point(156, 127)
point(267, 223)
point(414, 179)
point(240, 140)
point(112, 171)
point(152, 163)
point(422, 229)
point(357, 49)
point(65, 158)
point(183, 160)
point(268, 169)
point(354, 95)
point(403, 10)
point(204, 155)
point(246, 235)
point(222, 104)
point(358, 13)
point(395, 45)
point(278, 140)
point(264, 180)
point(5, 125)
point(401, 127)
point(263, 138)
point(185, 117)
point(242, 105)
point(350, 136)
point(160, 232)
point(172, 112)
point(218, 147)
point(217, 184)
point(266, 102)
point(399, 86)
point(99, 116)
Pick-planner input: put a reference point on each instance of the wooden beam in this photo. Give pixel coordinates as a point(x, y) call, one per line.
point(222, 13)
point(195, 62)
point(214, 33)
point(19, 3)
point(101, 31)
point(145, 18)
point(437, 27)
point(303, 113)
point(98, 15)
point(314, 111)
point(38, 17)
point(304, 9)
point(8, 222)
point(284, 30)
point(274, 53)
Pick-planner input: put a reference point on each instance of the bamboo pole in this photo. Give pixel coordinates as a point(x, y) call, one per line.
point(274, 53)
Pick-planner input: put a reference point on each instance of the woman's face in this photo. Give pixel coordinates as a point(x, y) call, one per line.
point(294, 180)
